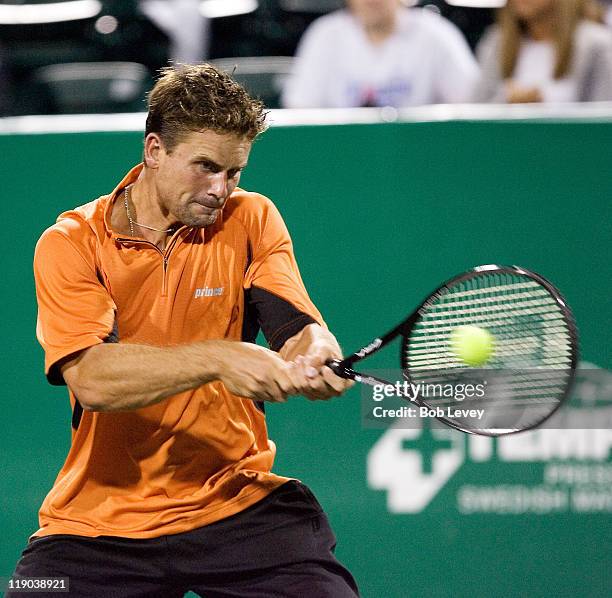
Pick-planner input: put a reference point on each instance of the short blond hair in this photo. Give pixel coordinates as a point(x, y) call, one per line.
point(200, 97)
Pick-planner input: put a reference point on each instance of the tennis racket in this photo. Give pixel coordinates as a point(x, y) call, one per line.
point(531, 366)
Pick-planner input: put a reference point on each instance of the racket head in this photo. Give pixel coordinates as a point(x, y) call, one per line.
point(535, 349)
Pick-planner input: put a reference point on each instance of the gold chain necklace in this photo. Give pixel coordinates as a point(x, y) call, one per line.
point(133, 222)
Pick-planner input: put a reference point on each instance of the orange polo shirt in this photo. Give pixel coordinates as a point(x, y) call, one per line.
point(198, 456)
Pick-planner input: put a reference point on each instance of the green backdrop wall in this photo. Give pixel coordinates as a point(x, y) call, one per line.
point(380, 215)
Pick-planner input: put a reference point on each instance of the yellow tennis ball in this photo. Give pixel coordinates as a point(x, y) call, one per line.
point(472, 344)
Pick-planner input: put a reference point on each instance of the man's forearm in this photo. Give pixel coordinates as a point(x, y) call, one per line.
point(119, 377)
point(123, 377)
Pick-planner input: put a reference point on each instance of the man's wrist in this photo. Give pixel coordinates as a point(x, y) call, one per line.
point(212, 358)
point(313, 338)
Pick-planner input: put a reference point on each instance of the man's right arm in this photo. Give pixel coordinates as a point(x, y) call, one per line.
point(123, 377)
point(76, 317)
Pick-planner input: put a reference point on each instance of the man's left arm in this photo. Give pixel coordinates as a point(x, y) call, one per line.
point(276, 295)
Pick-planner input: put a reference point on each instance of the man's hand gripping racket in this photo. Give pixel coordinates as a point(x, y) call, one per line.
point(504, 325)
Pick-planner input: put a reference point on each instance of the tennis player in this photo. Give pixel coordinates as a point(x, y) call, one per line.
point(149, 300)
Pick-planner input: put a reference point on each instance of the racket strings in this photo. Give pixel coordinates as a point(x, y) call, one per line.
point(529, 328)
point(528, 371)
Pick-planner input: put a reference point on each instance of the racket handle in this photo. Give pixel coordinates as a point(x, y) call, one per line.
point(337, 366)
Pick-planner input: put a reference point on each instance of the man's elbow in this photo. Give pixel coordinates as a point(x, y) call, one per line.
point(89, 397)
point(96, 393)
point(92, 402)
point(91, 394)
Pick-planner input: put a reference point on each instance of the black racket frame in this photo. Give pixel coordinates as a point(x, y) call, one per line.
point(344, 367)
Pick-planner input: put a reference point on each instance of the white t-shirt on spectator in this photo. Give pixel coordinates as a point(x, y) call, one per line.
point(425, 61)
point(534, 68)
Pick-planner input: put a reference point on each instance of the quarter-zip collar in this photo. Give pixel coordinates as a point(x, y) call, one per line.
point(128, 179)
point(125, 239)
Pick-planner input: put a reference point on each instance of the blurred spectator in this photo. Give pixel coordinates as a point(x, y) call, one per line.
point(607, 13)
point(545, 51)
point(377, 53)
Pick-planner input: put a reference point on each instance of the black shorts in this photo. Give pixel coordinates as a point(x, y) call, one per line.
point(280, 546)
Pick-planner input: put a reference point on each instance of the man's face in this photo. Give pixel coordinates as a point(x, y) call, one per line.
point(373, 13)
point(194, 180)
